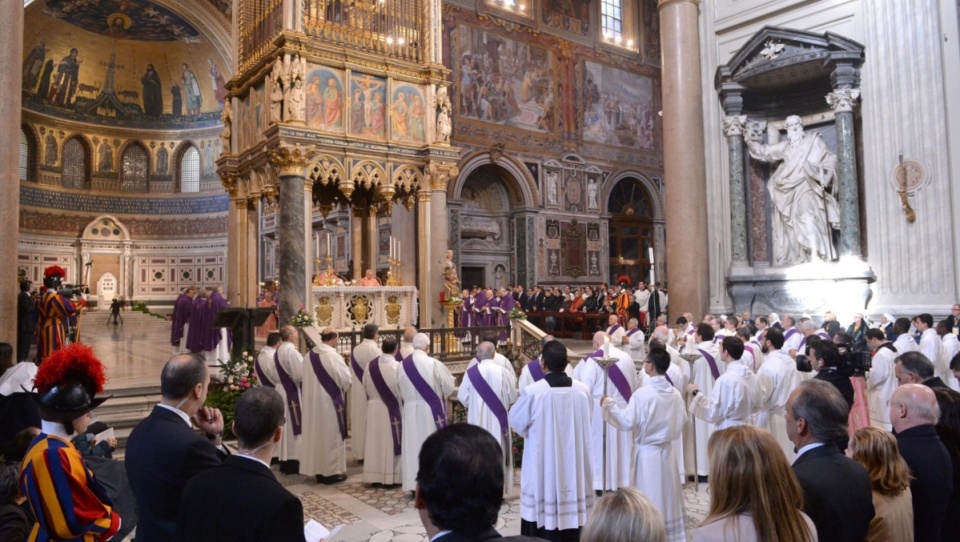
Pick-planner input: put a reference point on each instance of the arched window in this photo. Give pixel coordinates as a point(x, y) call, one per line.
point(190, 170)
point(24, 155)
point(133, 175)
point(75, 161)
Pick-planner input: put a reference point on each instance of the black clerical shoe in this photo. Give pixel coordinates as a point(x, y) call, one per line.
point(702, 479)
point(330, 480)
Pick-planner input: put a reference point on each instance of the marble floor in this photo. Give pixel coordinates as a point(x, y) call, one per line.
point(134, 354)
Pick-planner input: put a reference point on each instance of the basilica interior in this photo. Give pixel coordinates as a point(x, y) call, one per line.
point(165, 144)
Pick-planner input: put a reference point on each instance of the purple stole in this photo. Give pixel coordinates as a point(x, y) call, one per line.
point(489, 398)
point(665, 375)
point(335, 393)
point(596, 355)
point(803, 341)
point(823, 335)
point(613, 329)
point(790, 333)
point(434, 401)
point(749, 348)
point(293, 394)
point(620, 381)
point(536, 371)
point(714, 370)
point(396, 355)
point(390, 401)
point(632, 331)
point(262, 377)
point(357, 369)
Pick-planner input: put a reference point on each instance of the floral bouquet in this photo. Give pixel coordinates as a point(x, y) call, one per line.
point(517, 314)
point(302, 318)
point(237, 376)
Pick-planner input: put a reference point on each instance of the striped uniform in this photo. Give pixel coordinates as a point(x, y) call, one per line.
point(51, 331)
point(68, 502)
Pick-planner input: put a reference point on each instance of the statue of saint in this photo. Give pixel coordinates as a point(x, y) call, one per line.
point(451, 282)
point(805, 213)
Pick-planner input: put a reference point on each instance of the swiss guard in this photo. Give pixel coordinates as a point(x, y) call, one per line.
point(54, 308)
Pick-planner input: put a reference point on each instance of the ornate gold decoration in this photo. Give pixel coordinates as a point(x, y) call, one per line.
point(496, 152)
point(360, 307)
point(229, 182)
point(393, 309)
point(291, 160)
point(324, 311)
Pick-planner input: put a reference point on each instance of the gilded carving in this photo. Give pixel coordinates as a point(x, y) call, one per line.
point(324, 311)
point(393, 310)
point(291, 160)
point(360, 308)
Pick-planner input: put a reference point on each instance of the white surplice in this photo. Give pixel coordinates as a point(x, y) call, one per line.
point(655, 415)
point(881, 383)
point(619, 443)
point(405, 350)
point(778, 378)
point(526, 379)
point(556, 483)
point(364, 353)
point(792, 343)
point(702, 376)
point(479, 414)
point(616, 338)
point(292, 363)
point(636, 346)
point(323, 451)
point(679, 381)
point(268, 367)
point(949, 347)
point(502, 361)
point(905, 343)
point(418, 422)
point(380, 465)
point(734, 401)
point(931, 346)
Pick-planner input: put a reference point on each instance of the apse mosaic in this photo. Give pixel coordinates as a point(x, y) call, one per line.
point(120, 62)
point(618, 107)
point(504, 81)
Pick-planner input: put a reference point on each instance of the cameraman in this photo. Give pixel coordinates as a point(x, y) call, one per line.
point(827, 357)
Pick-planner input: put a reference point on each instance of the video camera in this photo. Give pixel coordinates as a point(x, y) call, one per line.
point(852, 363)
point(73, 291)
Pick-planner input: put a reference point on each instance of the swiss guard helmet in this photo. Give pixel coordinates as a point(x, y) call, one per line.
point(53, 276)
point(67, 383)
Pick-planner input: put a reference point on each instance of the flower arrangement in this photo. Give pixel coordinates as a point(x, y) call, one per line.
point(517, 450)
point(302, 318)
point(237, 376)
point(517, 314)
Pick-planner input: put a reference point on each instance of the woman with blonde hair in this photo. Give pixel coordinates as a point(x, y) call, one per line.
point(754, 494)
point(624, 515)
point(878, 452)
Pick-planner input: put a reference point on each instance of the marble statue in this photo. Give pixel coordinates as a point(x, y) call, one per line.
point(451, 282)
point(805, 213)
point(276, 101)
point(226, 117)
point(592, 194)
point(552, 187)
point(296, 102)
point(444, 126)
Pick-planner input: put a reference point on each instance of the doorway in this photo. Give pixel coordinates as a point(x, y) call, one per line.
point(472, 276)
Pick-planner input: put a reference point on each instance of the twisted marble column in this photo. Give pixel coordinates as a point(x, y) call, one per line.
point(733, 127)
point(843, 101)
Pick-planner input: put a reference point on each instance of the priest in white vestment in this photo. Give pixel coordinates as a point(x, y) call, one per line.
point(778, 378)
point(752, 355)
point(419, 419)
point(619, 387)
point(498, 359)
point(475, 398)
point(677, 375)
point(704, 372)
point(265, 367)
point(736, 394)
point(655, 415)
point(904, 342)
point(363, 354)
point(615, 331)
point(326, 378)
point(949, 347)
point(381, 463)
point(930, 344)
point(288, 359)
point(881, 380)
point(556, 483)
point(534, 372)
point(406, 343)
point(634, 341)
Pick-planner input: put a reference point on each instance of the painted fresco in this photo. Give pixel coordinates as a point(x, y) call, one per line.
point(368, 106)
point(504, 81)
point(617, 107)
point(569, 15)
point(407, 114)
point(120, 62)
point(325, 100)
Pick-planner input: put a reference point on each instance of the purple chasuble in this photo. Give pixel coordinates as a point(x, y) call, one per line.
point(335, 393)
point(181, 315)
point(714, 370)
point(620, 381)
point(465, 313)
point(198, 319)
point(434, 401)
point(390, 401)
point(293, 394)
point(489, 398)
point(536, 371)
point(479, 304)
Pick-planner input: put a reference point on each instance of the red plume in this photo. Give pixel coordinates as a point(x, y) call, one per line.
point(623, 279)
point(75, 363)
point(55, 270)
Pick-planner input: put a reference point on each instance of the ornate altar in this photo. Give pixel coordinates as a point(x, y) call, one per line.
point(348, 307)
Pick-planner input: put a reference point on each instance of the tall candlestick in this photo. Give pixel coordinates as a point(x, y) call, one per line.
point(606, 347)
point(329, 245)
point(650, 252)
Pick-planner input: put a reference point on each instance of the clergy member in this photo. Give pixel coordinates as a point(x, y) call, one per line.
point(704, 373)
point(406, 343)
point(620, 383)
point(364, 353)
point(264, 366)
point(553, 416)
point(904, 342)
point(655, 415)
point(633, 341)
point(220, 338)
point(736, 394)
point(881, 380)
point(424, 384)
point(506, 304)
point(369, 279)
point(534, 372)
point(384, 423)
point(324, 451)
point(201, 318)
point(498, 358)
point(479, 308)
point(487, 391)
point(778, 378)
point(288, 366)
point(615, 330)
point(180, 326)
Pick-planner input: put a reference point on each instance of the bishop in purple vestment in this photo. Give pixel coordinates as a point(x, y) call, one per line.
point(199, 322)
point(479, 309)
point(212, 336)
point(182, 309)
point(506, 305)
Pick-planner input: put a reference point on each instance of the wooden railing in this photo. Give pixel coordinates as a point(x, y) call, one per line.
point(446, 344)
point(259, 22)
point(390, 27)
point(573, 325)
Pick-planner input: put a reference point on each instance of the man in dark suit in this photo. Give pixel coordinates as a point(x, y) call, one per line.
point(913, 414)
point(836, 489)
point(460, 485)
point(164, 452)
point(916, 368)
point(242, 500)
point(26, 321)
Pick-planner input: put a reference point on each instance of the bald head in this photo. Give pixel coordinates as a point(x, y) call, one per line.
point(486, 350)
point(913, 405)
point(408, 334)
point(598, 338)
point(288, 334)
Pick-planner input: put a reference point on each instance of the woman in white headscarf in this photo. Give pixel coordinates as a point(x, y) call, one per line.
point(886, 325)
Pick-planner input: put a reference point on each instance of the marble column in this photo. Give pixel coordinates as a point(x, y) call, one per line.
point(308, 256)
point(356, 241)
point(370, 242)
point(292, 250)
point(843, 101)
point(427, 282)
point(11, 27)
point(683, 157)
point(733, 127)
point(236, 237)
point(251, 254)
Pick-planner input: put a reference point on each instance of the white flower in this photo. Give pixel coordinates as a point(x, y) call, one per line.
point(249, 358)
point(229, 380)
point(244, 353)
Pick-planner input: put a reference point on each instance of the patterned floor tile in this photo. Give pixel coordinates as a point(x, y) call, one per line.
point(328, 514)
point(390, 501)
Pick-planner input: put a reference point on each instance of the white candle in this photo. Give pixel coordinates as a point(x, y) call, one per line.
point(650, 252)
point(606, 347)
point(392, 247)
